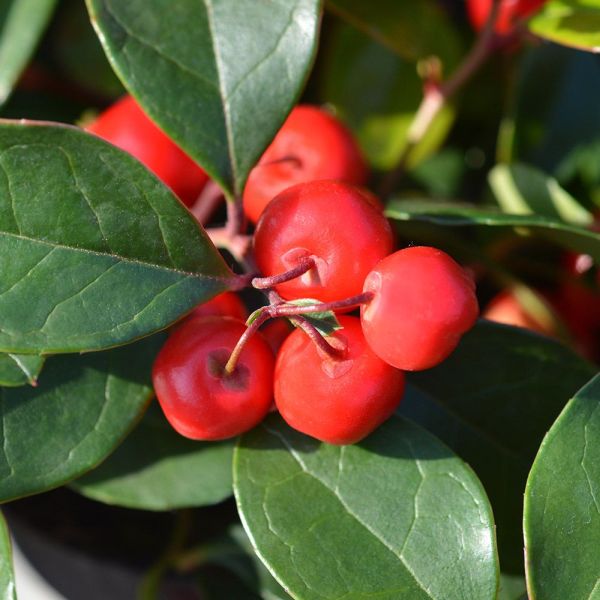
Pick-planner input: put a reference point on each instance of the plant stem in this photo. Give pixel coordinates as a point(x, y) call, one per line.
point(436, 96)
point(207, 202)
point(312, 332)
point(286, 310)
point(250, 331)
point(304, 264)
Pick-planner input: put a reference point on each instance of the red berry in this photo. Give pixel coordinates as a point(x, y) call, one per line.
point(275, 333)
point(506, 308)
point(312, 144)
point(125, 125)
point(330, 221)
point(509, 13)
point(423, 302)
point(227, 304)
point(198, 398)
point(339, 401)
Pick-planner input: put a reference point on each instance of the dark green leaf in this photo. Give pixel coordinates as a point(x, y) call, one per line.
point(158, 469)
point(492, 401)
point(7, 580)
point(397, 516)
point(522, 189)
point(573, 23)
point(94, 250)
point(414, 30)
point(556, 108)
point(78, 51)
point(219, 77)
point(377, 94)
point(19, 369)
point(22, 23)
point(451, 215)
point(562, 509)
point(81, 410)
point(512, 587)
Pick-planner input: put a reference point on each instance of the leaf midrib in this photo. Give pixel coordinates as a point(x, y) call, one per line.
point(116, 257)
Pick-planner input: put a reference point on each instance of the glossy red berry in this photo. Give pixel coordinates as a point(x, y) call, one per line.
point(227, 304)
point(506, 308)
point(125, 125)
point(312, 144)
point(275, 333)
point(198, 398)
point(510, 12)
point(423, 302)
point(333, 223)
point(339, 401)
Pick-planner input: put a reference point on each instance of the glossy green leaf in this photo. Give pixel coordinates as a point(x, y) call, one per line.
point(19, 369)
point(81, 410)
point(574, 23)
point(555, 105)
point(461, 215)
point(414, 30)
point(525, 190)
point(94, 250)
point(219, 76)
point(7, 579)
point(396, 516)
point(157, 469)
point(377, 94)
point(22, 23)
point(512, 587)
point(562, 508)
point(492, 401)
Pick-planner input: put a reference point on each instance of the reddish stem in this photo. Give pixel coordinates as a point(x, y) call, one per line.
point(304, 264)
point(250, 331)
point(313, 333)
point(285, 310)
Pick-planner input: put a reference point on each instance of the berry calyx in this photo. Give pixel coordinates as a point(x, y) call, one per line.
point(335, 400)
point(312, 144)
point(125, 125)
point(423, 301)
point(332, 224)
point(199, 398)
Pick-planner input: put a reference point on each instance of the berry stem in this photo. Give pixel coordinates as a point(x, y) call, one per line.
point(250, 331)
point(286, 310)
point(437, 94)
point(312, 332)
point(207, 202)
point(304, 264)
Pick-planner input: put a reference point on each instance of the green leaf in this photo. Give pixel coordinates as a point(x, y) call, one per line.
point(22, 23)
point(492, 401)
point(397, 516)
point(512, 587)
point(562, 511)
point(461, 215)
point(81, 410)
point(19, 369)
point(324, 322)
point(377, 94)
point(218, 77)
point(7, 578)
point(157, 469)
point(94, 250)
point(524, 190)
point(556, 108)
point(414, 30)
point(574, 23)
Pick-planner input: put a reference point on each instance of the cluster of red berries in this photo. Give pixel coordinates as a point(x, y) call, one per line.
point(321, 244)
point(510, 12)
